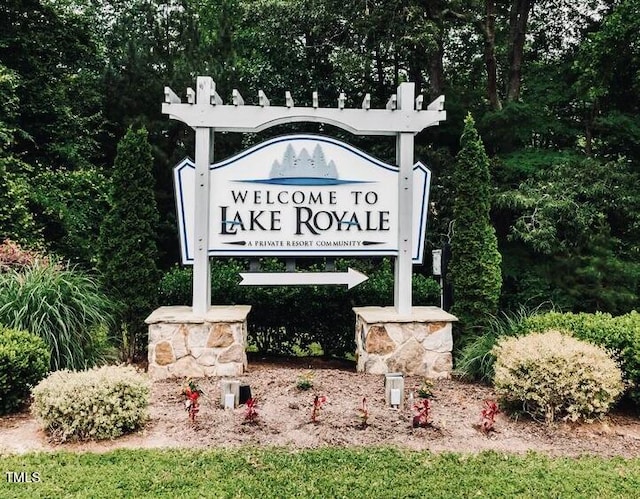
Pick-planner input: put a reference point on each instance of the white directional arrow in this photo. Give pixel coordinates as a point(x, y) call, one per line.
point(351, 278)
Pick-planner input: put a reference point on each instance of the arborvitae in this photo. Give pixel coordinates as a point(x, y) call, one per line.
point(128, 248)
point(474, 269)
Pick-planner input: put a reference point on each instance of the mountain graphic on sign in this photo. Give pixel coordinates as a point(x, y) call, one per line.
point(303, 168)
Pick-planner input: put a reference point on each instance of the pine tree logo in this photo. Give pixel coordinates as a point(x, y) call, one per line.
point(303, 168)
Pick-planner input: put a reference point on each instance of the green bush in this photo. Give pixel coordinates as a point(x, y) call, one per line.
point(24, 360)
point(96, 404)
point(70, 205)
point(62, 305)
point(286, 318)
point(620, 335)
point(552, 375)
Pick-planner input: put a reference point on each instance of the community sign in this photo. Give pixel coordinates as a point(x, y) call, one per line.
point(301, 195)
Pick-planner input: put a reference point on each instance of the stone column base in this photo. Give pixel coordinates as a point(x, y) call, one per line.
point(183, 344)
point(417, 344)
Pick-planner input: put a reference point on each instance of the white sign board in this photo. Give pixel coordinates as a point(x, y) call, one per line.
point(437, 262)
point(301, 195)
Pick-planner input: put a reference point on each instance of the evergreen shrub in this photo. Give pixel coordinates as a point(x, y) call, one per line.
point(96, 404)
point(128, 252)
point(620, 335)
point(474, 268)
point(552, 376)
point(24, 361)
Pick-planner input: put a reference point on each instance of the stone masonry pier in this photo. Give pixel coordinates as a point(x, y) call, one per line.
point(415, 344)
point(183, 344)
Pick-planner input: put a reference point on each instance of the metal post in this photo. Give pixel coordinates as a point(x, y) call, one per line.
point(204, 154)
point(404, 154)
point(436, 256)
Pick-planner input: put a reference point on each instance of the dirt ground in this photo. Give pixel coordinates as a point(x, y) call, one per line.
point(284, 419)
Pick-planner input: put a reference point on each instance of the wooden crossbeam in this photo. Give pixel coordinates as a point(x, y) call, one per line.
point(437, 104)
point(170, 97)
point(262, 99)
point(366, 102)
point(392, 103)
point(288, 99)
point(191, 96)
point(216, 100)
point(237, 98)
point(209, 111)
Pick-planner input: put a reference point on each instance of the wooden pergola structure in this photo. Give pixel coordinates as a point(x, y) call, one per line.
point(206, 113)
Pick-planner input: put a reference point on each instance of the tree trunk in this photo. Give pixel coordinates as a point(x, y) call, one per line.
point(415, 73)
point(489, 29)
point(588, 140)
point(436, 72)
point(396, 67)
point(380, 71)
point(590, 115)
point(438, 15)
point(518, 19)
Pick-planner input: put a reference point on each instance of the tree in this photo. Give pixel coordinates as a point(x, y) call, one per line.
point(608, 65)
point(71, 205)
point(475, 262)
point(16, 221)
point(573, 236)
point(58, 65)
point(128, 248)
point(518, 19)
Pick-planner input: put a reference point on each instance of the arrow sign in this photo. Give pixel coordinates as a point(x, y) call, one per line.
point(351, 278)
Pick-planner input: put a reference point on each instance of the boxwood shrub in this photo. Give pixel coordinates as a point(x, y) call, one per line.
point(24, 361)
point(96, 404)
point(620, 335)
point(552, 375)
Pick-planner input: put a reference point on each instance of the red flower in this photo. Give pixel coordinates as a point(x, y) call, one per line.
point(192, 392)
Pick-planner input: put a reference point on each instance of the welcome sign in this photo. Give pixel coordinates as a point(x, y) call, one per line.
point(301, 195)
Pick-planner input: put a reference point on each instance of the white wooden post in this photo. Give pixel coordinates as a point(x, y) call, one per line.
point(204, 156)
point(404, 155)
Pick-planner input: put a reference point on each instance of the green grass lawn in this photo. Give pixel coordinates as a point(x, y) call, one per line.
point(331, 473)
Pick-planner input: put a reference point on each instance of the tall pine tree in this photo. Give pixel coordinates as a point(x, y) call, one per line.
point(474, 269)
point(128, 248)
